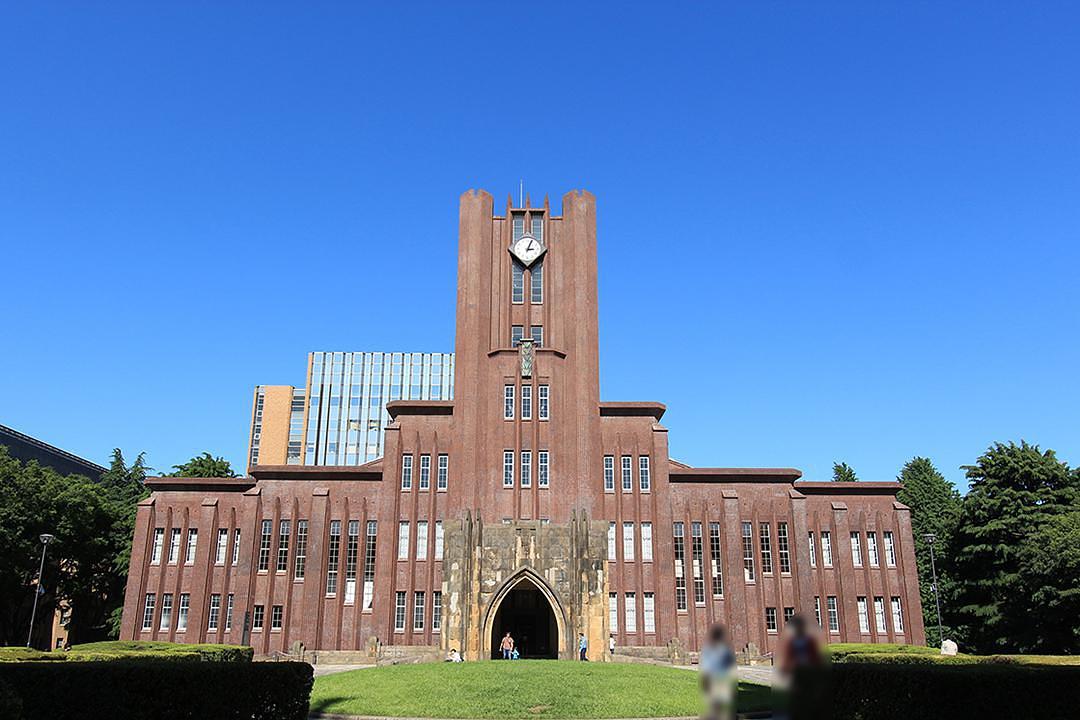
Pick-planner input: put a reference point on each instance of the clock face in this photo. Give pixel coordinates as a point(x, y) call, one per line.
point(527, 249)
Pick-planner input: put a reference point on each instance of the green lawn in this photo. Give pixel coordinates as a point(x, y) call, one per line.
point(521, 689)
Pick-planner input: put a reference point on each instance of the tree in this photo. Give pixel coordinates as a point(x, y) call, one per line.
point(1017, 496)
point(127, 483)
point(935, 506)
point(204, 465)
point(1052, 572)
point(89, 523)
point(842, 472)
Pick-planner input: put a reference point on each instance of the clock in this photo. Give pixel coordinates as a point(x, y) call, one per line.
point(527, 249)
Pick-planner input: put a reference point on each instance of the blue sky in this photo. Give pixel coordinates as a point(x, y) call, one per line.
point(827, 232)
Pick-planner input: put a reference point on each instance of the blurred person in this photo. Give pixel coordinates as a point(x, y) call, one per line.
point(454, 656)
point(718, 680)
point(583, 646)
point(507, 645)
point(798, 648)
point(611, 644)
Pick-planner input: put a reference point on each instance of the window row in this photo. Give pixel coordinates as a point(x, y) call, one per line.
point(630, 610)
point(626, 465)
point(765, 548)
point(697, 564)
point(543, 402)
point(419, 611)
point(280, 553)
point(405, 536)
point(523, 470)
point(442, 472)
point(352, 551)
point(175, 538)
point(628, 542)
point(536, 332)
point(214, 620)
point(833, 615)
point(872, 551)
point(536, 283)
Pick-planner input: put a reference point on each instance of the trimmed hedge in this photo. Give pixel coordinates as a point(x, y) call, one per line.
point(925, 691)
point(839, 651)
point(152, 689)
point(104, 651)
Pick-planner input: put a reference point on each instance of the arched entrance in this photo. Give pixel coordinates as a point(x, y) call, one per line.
point(527, 614)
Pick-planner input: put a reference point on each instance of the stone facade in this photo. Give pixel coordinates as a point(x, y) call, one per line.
point(526, 504)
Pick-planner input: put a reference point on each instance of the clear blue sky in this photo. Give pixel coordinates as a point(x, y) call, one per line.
point(827, 232)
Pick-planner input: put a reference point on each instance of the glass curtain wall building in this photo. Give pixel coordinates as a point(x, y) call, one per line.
point(347, 396)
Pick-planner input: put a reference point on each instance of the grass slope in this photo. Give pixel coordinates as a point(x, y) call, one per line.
point(520, 689)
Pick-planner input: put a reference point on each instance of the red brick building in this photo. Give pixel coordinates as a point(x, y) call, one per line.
point(526, 504)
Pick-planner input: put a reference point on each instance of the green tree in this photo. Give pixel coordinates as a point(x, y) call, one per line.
point(1052, 573)
point(88, 522)
point(842, 472)
point(204, 465)
point(1017, 495)
point(935, 506)
point(127, 484)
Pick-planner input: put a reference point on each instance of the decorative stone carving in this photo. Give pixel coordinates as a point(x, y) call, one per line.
point(525, 351)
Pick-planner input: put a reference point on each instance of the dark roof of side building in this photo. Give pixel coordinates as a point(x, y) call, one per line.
point(25, 448)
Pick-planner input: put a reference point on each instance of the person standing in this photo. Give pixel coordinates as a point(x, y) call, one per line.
point(718, 675)
point(507, 646)
point(611, 644)
point(583, 646)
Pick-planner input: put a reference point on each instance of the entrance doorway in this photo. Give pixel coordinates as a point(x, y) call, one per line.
point(527, 615)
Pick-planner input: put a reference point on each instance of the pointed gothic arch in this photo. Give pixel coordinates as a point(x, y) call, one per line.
point(524, 588)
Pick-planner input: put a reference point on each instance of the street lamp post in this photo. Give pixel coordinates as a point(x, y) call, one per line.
point(45, 539)
point(930, 538)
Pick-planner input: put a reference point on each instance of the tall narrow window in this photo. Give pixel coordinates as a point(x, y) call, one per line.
point(611, 542)
point(436, 611)
point(301, 550)
point(890, 549)
point(215, 612)
point(879, 615)
point(442, 479)
point(813, 549)
point(264, 544)
point(789, 612)
point(650, 612)
point(352, 549)
point(628, 541)
point(717, 560)
point(696, 555)
point(542, 468)
point(856, 550)
point(897, 616)
point(864, 615)
point(834, 617)
point(148, 611)
point(277, 614)
point(425, 472)
point(508, 468)
point(646, 541)
point(438, 540)
point(236, 547)
point(517, 283)
point(403, 540)
point(766, 549)
point(182, 612)
point(159, 541)
point(609, 473)
point(526, 468)
point(526, 402)
point(680, 566)
point(538, 227)
point(166, 612)
point(174, 546)
point(508, 402)
point(418, 611)
point(332, 556)
point(770, 619)
point(536, 276)
point(613, 612)
point(627, 477)
point(871, 549)
point(399, 611)
point(222, 546)
point(285, 531)
point(782, 549)
point(192, 543)
point(543, 398)
point(748, 551)
point(516, 333)
point(229, 602)
point(536, 332)
point(817, 610)
point(630, 606)
point(421, 539)
point(644, 480)
point(406, 472)
point(258, 617)
point(826, 548)
point(369, 563)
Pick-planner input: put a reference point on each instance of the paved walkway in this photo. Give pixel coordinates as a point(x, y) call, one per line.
point(329, 669)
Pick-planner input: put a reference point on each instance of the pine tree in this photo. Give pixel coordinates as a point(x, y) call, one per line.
point(842, 472)
point(1015, 492)
point(205, 465)
point(935, 506)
